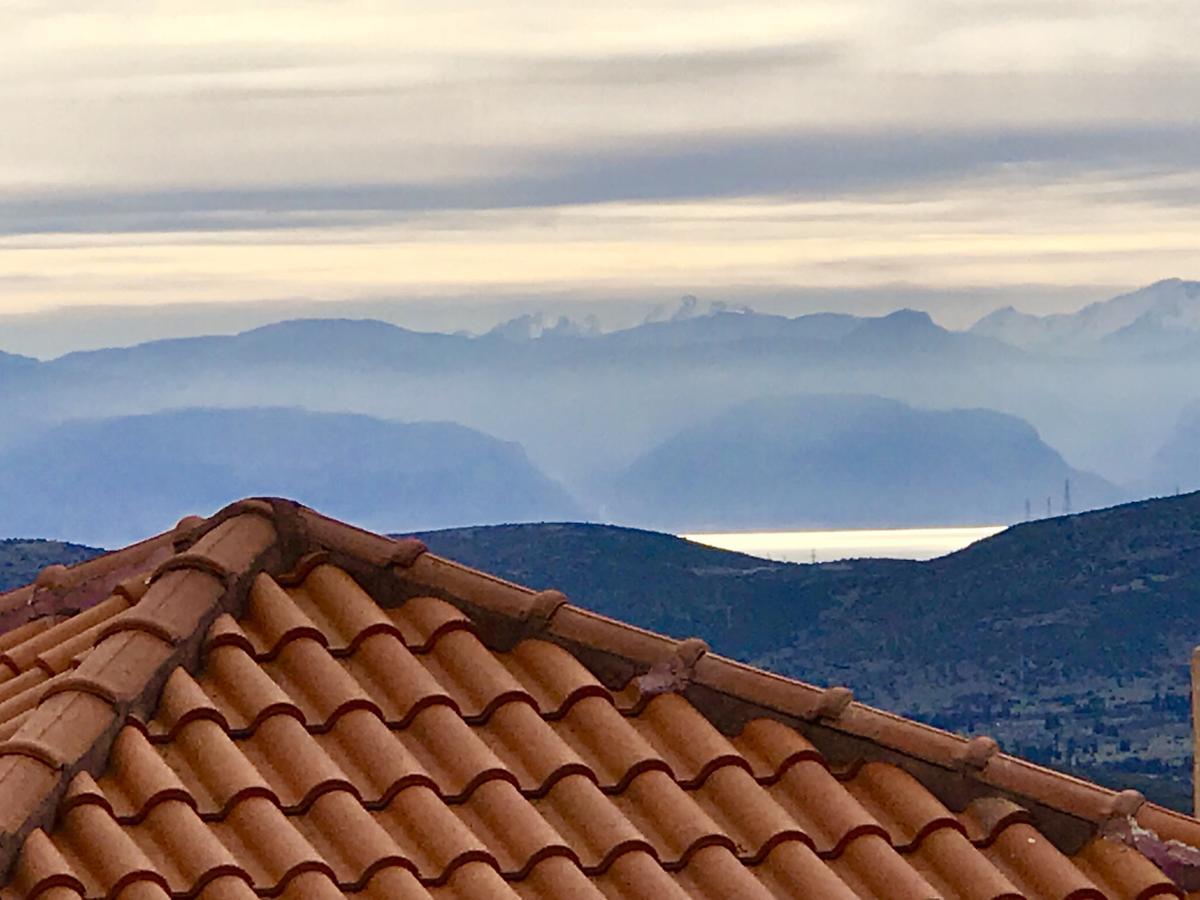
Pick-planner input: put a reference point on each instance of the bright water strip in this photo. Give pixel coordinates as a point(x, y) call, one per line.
point(827, 546)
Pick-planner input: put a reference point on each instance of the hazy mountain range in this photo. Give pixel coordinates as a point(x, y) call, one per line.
point(590, 408)
point(816, 461)
point(1164, 317)
point(114, 481)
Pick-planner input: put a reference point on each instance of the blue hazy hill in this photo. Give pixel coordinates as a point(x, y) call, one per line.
point(821, 460)
point(112, 481)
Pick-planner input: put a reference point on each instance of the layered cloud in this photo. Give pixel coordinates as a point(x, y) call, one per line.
point(188, 153)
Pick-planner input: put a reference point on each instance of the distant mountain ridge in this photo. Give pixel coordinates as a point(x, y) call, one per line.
point(113, 481)
point(585, 404)
point(817, 461)
point(1162, 316)
point(13, 361)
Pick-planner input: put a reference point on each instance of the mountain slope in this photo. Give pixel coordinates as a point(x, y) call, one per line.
point(828, 460)
point(13, 361)
point(112, 481)
point(1161, 316)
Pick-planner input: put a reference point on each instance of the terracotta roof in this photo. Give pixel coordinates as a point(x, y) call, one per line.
point(270, 703)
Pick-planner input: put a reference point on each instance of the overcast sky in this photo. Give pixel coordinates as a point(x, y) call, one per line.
point(184, 152)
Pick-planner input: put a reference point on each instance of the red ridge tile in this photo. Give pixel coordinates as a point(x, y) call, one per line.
point(1035, 866)
point(551, 676)
point(25, 783)
point(242, 691)
point(474, 678)
point(430, 574)
point(389, 673)
point(342, 611)
point(688, 742)
point(673, 822)
point(118, 669)
point(273, 619)
point(216, 775)
point(529, 748)
point(347, 837)
point(770, 747)
point(874, 871)
point(431, 836)
point(823, 809)
point(138, 778)
point(315, 683)
point(591, 824)
point(950, 863)
point(901, 804)
point(67, 723)
point(603, 738)
point(791, 868)
point(236, 542)
point(319, 755)
point(422, 620)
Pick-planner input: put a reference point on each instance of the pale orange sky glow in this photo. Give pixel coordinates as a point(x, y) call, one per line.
point(351, 150)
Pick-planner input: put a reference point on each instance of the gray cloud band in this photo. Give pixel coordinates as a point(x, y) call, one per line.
point(796, 165)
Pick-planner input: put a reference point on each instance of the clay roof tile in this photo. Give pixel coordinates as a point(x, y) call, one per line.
point(269, 703)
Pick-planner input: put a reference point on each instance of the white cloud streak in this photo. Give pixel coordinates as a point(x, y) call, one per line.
point(177, 128)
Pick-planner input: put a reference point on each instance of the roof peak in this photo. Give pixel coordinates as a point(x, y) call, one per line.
point(175, 586)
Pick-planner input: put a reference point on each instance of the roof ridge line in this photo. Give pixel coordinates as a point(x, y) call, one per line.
point(291, 538)
point(549, 615)
point(72, 729)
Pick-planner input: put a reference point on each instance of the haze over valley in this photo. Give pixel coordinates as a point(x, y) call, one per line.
point(705, 418)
